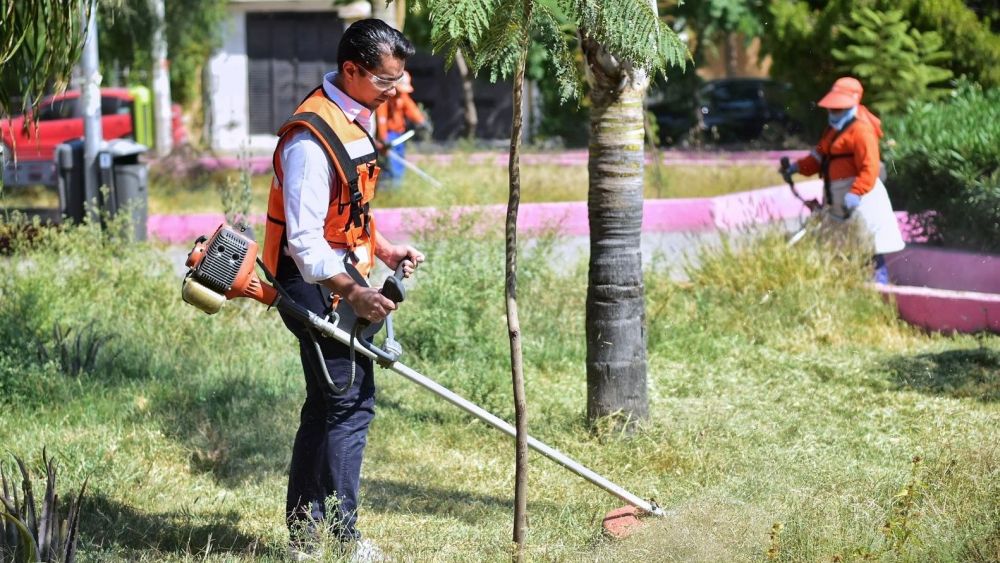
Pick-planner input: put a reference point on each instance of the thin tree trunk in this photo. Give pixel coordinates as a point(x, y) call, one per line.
point(471, 116)
point(616, 314)
point(513, 323)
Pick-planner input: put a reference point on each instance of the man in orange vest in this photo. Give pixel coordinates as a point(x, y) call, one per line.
point(847, 158)
point(393, 117)
point(320, 235)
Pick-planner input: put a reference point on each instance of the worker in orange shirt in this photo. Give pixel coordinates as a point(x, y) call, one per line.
point(847, 158)
point(393, 117)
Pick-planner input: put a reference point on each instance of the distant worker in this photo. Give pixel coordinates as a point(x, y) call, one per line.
point(847, 158)
point(394, 116)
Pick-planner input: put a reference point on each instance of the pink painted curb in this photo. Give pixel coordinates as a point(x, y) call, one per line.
point(945, 290)
point(576, 157)
point(568, 218)
point(936, 289)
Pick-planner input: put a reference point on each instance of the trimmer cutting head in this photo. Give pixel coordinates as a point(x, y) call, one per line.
point(222, 267)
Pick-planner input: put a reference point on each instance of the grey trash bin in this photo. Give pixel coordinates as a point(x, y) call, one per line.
point(119, 170)
point(129, 182)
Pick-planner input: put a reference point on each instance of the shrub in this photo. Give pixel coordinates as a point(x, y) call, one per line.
point(944, 157)
point(896, 63)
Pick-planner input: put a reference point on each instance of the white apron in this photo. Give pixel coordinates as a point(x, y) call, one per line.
point(875, 211)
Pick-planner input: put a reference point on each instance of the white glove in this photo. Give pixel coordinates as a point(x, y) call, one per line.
point(851, 201)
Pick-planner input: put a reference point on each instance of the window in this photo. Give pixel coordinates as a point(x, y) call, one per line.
point(113, 105)
point(58, 109)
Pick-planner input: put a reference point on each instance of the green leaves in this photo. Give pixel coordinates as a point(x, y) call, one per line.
point(495, 33)
point(944, 157)
point(896, 63)
point(40, 43)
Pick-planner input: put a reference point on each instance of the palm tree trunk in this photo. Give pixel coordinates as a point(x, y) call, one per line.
point(616, 314)
point(513, 322)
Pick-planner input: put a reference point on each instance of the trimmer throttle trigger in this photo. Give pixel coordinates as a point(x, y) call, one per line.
point(393, 288)
point(785, 166)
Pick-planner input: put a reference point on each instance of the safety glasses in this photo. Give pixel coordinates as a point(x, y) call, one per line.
point(379, 82)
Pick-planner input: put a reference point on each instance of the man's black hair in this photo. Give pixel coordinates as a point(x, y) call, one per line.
point(365, 41)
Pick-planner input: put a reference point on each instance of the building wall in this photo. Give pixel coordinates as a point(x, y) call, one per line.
point(227, 87)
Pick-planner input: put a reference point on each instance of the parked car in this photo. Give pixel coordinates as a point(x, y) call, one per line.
point(745, 109)
point(60, 119)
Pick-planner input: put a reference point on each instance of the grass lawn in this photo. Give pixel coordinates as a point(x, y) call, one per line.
point(793, 417)
point(464, 184)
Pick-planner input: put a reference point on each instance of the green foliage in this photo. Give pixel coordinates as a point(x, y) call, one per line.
point(31, 532)
point(495, 31)
point(713, 19)
point(795, 298)
point(975, 45)
point(40, 42)
point(192, 28)
point(896, 63)
point(458, 313)
point(236, 195)
point(943, 157)
point(803, 34)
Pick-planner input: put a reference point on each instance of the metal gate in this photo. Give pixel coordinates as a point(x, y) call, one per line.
point(288, 53)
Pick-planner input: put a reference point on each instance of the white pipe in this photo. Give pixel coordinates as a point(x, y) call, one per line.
point(331, 330)
point(413, 167)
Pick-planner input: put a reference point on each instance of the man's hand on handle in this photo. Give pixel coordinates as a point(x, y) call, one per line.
point(395, 254)
point(367, 302)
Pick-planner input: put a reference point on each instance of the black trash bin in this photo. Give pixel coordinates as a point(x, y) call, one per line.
point(69, 167)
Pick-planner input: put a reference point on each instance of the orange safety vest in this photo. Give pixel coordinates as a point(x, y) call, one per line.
point(393, 114)
point(349, 223)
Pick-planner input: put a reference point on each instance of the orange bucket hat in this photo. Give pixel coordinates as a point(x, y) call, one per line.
point(845, 93)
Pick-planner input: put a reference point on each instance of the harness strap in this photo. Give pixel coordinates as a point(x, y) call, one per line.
point(359, 214)
point(824, 165)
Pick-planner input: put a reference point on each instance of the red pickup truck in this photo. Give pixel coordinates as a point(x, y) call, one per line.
point(60, 119)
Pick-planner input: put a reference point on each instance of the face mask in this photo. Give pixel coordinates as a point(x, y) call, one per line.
point(838, 120)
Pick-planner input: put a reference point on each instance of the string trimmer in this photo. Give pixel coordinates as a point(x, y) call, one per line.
point(224, 266)
point(811, 204)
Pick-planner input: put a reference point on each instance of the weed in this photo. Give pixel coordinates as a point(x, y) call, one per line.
point(77, 355)
point(903, 515)
point(33, 532)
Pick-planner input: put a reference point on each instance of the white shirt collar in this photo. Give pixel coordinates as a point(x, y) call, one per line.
point(351, 108)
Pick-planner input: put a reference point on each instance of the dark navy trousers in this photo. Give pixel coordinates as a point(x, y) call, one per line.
point(333, 430)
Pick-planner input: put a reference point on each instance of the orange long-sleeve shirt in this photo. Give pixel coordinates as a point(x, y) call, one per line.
point(860, 145)
point(393, 114)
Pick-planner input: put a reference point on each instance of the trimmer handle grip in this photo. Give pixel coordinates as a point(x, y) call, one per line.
point(786, 166)
point(393, 288)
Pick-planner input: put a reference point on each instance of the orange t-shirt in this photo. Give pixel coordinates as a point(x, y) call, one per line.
point(860, 145)
point(394, 113)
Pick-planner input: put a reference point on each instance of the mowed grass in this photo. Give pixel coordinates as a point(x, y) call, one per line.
point(464, 183)
point(793, 417)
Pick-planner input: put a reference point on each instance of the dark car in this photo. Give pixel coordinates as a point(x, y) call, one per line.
point(744, 110)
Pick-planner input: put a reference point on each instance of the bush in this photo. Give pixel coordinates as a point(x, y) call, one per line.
point(943, 157)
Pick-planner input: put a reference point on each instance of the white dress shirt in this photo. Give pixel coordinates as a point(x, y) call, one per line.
point(307, 184)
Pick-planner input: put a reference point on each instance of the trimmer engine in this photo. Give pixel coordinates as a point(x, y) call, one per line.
point(223, 267)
